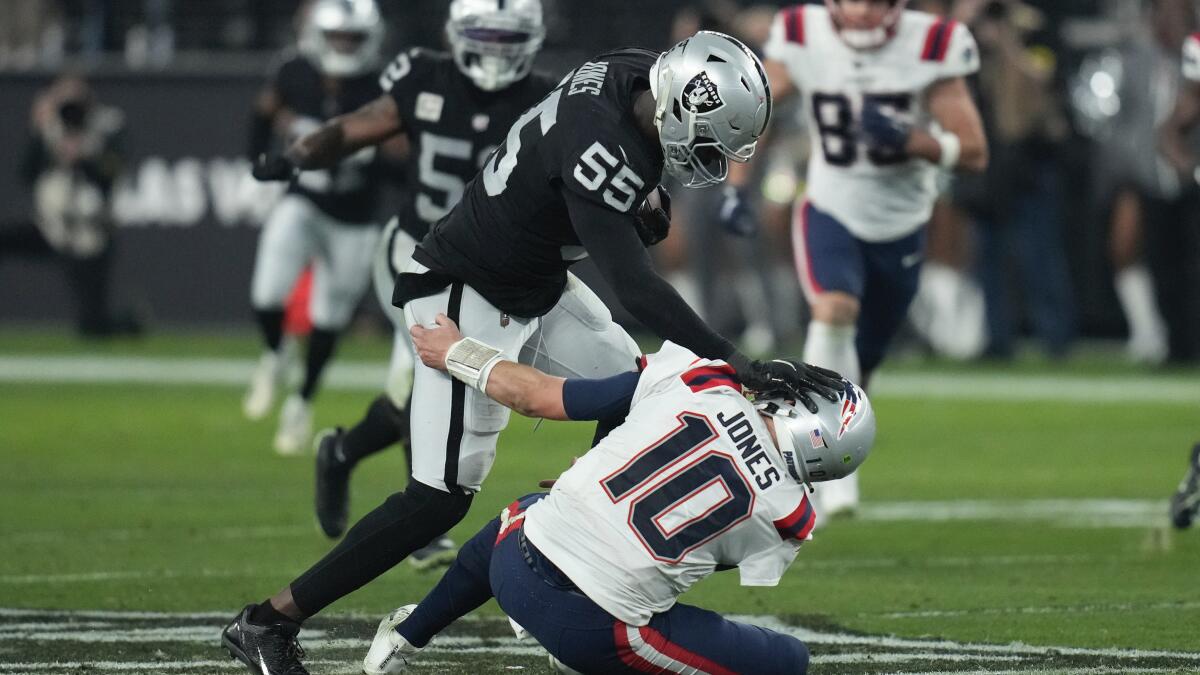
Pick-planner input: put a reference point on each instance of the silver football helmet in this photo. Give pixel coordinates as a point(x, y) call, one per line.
point(712, 102)
point(343, 36)
point(866, 38)
point(828, 445)
point(495, 41)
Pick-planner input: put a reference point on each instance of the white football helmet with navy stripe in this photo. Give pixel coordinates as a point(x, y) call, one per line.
point(495, 41)
point(712, 102)
point(827, 445)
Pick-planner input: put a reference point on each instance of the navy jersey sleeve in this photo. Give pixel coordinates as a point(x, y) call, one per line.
point(603, 399)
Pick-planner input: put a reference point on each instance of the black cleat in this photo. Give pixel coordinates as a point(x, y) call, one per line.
point(1186, 500)
point(440, 552)
point(333, 482)
point(266, 650)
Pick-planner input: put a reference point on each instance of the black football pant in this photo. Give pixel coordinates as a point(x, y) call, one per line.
point(405, 522)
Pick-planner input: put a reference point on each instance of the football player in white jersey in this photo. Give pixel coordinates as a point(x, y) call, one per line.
point(696, 479)
point(888, 109)
point(1185, 503)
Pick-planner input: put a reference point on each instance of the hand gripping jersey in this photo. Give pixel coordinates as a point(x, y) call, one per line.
point(690, 482)
point(349, 192)
point(452, 127)
point(877, 196)
point(510, 238)
point(1191, 58)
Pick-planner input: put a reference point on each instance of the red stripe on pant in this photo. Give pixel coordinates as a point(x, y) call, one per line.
point(808, 281)
point(657, 642)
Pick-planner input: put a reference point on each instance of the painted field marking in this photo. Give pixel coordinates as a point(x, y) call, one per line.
point(369, 376)
point(1050, 609)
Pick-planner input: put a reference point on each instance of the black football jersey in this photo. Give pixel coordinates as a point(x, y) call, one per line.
point(452, 127)
point(510, 238)
point(350, 191)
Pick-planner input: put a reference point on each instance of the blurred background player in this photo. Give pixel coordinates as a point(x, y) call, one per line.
point(889, 108)
point(326, 218)
point(735, 498)
point(454, 109)
point(1151, 192)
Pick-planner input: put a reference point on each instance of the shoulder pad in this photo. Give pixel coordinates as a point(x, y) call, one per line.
point(416, 60)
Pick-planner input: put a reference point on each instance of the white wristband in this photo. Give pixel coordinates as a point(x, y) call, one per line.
point(471, 361)
point(951, 148)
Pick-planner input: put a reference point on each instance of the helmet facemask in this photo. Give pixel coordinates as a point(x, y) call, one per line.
point(495, 49)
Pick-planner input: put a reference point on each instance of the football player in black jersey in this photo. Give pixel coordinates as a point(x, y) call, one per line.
point(569, 180)
point(454, 109)
point(326, 217)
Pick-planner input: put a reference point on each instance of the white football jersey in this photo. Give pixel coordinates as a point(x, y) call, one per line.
point(1191, 57)
point(877, 196)
point(691, 481)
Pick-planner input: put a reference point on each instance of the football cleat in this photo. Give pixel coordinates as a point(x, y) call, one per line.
point(295, 426)
point(1185, 503)
point(265, 383)
point(437, 553)
point(389, 650)
point(266, 650)
point(333, 481)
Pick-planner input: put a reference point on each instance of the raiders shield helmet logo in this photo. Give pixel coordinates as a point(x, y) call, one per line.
point(700, 95)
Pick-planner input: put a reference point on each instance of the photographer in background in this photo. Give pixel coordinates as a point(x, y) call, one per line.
point(70, 162)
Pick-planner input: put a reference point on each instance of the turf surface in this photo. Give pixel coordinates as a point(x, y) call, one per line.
point(122, 498)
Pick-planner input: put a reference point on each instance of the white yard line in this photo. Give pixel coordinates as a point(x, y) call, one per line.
point(369, 376)
point(1064, 609)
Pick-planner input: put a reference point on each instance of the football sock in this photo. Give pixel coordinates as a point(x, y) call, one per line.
point(1135, 290)
point(320, 349)
point(403, 523)
point(270, 322)
point(264, 613)
point(831, 346)
point(464, 587)
point(383, 425)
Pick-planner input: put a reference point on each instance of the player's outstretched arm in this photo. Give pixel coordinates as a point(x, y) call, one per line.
point(624, 263)
point(1175, 130)
point(961, 143)
point(526, 390)
point(346, 134)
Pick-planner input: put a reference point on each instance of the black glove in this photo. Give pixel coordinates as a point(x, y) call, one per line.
point(787, 378)
point(737, 213)
point(272, 167)
point(884, 131)
point(653, 217)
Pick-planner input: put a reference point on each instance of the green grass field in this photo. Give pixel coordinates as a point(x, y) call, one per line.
point(1011, 530)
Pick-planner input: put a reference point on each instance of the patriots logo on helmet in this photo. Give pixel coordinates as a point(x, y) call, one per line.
point(700, 94)
point(849, 407)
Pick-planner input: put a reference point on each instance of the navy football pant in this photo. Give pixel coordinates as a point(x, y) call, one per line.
point(882, 275)
point(577, 631)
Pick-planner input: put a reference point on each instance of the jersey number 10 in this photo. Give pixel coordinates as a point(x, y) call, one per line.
point(714, 473)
